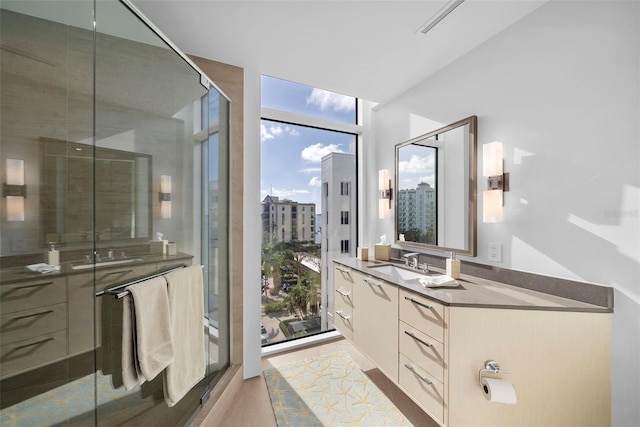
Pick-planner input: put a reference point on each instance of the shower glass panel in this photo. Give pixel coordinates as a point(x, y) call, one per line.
point(124, 147)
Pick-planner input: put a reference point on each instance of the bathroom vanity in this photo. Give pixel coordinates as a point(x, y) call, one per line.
point(433, 342)
point(50, 317)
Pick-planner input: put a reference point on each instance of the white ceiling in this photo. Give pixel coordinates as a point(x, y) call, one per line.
point(368, 49)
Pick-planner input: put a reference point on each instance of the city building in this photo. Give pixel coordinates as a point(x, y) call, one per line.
point(338, 213)
point(285, 220)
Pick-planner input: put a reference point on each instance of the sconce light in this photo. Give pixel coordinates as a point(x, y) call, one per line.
point(165, 196)
point(384, 185)
point(14, 190)
point(497, 182)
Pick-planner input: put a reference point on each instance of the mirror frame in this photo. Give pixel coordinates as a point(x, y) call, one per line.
point(472, 219)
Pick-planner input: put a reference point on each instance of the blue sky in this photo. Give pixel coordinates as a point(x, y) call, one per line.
point(291, 154)
point(416, 164)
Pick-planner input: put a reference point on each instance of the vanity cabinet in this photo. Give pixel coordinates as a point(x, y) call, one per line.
point(555, 351)
point(82, 299)
point(422, 351)
point(367, 315)
point(49, 318)
point(343, 301)
point(33, 323)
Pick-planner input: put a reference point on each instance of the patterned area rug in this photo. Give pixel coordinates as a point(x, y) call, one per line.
point(328, 390)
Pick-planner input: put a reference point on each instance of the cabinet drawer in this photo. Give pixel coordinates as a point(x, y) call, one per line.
point(27, 354)
point(343, 277)
point(425, 389)
point(425, 351)
point(342, 320)
point(32, 294)
point(423, 314)
point(27, 324)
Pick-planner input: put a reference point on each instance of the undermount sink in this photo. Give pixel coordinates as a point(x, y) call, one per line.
point(398, 272)
point(103, 263)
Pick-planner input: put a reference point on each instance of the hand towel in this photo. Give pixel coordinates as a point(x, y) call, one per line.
point(441, 281)
point(147, 347)
point(186, 302)
point(131, 375)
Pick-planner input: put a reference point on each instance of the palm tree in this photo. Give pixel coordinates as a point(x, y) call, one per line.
point(272, 260)
point(297, 300)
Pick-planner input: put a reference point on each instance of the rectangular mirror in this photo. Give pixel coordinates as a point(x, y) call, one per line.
point(122, 182)
point(435, 191)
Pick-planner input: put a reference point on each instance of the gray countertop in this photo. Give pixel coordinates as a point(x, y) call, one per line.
point(19, 274)
point(477, 292)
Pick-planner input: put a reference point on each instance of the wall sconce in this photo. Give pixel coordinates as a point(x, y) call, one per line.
point(384, 185)
point(165, 196)
point(497, 182)
point(14, 190)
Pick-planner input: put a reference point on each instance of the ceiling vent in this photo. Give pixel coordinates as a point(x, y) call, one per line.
point(438, 16)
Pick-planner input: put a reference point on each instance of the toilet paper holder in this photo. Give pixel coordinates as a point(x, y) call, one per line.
point(490, 366)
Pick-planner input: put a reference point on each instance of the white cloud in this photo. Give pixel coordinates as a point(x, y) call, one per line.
point(331, 101)
point(270, 132)
point(417, 164)
point(315, 182)
point(291, 131)
point(264, 134)
point(310, 170)
point(314, 153)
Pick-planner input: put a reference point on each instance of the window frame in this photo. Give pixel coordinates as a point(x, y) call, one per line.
point(287, 118)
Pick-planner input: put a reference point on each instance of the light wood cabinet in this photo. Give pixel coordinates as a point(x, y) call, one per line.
point(83, 304)
point(367, 315)
point(343, 301)
point(423, 348)
point(33, 323)
point(558, 361)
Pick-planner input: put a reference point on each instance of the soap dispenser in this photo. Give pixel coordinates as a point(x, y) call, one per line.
point(453, 266)
point(53, 256)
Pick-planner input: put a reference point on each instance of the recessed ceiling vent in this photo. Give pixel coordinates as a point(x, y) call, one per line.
point(438, 16)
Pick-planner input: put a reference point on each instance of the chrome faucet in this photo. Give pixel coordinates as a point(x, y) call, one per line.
point(413, 256)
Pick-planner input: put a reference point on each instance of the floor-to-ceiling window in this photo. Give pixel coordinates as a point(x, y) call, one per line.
point(308, 182)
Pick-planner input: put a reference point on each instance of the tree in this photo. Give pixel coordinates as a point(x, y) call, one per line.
point(297, 300)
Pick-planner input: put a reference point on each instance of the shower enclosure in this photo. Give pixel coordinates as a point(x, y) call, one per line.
point(114, 165)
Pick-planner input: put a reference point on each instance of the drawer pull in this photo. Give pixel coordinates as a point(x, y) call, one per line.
point(343, 270)
point(33, 285)
point(118, 272)
point(341, 314)
point(34, 343)
point(371, 282)
point(412, 369)
point(411, 334)
point(342, 292)
point(421, 304)
point(24, 316)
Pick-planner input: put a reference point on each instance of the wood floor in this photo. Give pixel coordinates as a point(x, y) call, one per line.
point(252, 407)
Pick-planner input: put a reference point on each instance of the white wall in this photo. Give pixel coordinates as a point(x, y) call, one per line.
point(560, 89)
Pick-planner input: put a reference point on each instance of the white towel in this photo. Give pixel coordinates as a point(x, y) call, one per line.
point(147, 347)
point(441, 281)
point(186, 301)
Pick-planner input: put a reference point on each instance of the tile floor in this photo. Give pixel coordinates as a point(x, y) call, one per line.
point(252, 406)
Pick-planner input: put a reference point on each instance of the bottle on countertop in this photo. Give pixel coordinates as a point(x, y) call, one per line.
point(53, 256)
point(453, 266)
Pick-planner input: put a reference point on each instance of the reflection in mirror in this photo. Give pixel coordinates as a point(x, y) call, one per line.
point(122, 191)
point(436, 190)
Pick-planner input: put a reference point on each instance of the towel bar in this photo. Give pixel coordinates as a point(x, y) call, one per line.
point(119, 291)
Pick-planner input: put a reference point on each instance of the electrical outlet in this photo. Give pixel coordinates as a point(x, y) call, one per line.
point(495, 252)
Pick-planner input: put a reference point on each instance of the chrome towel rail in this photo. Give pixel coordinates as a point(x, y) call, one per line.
point(119, 291)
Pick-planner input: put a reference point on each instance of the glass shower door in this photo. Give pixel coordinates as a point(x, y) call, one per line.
point(126, 173)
